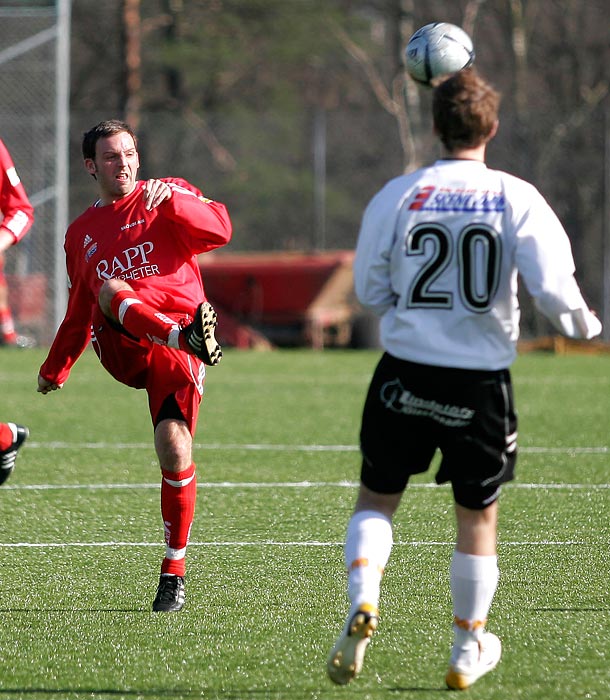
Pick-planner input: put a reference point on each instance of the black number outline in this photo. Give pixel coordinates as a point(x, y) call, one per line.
point(469, 237)
point(477, 235)
point(420, 296)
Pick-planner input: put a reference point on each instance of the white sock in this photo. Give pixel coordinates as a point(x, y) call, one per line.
point(367, 549)
point(474, 580)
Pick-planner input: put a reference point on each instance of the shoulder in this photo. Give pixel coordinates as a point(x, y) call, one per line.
point(523, 199)
point(84, 217)
point(515, 186)
point(72, 234)
point(391, 196)
point(398, 186)
point(78, 228)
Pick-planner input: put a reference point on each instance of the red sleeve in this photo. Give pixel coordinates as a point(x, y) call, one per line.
point(15, 206)
point(206, 222)
point(74, 332)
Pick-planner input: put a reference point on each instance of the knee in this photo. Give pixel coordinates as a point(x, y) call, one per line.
point(173, 444)
point(383, 503)
point(476, 529)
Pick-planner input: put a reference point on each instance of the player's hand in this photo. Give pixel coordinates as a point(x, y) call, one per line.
point(44, 386)
point(6, 239)
point(155, 192)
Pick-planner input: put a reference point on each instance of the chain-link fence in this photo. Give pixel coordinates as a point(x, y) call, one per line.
point(283, 192)
point(29, 39)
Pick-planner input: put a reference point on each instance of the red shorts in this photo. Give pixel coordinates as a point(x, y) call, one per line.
point(141, 364)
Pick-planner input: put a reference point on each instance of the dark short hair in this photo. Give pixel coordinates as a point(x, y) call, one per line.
point(102, 130)
point(464, 109)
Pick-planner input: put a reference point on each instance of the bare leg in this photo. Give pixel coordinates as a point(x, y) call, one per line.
point(476, 530)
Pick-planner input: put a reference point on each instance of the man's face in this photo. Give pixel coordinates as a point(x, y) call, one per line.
point(115, 166)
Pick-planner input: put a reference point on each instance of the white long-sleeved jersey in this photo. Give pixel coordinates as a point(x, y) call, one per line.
point(438, 257)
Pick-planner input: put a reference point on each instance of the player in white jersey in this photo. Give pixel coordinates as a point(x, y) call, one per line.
point(437, 259)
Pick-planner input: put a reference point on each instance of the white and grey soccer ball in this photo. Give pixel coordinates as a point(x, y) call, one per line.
point(438, 49)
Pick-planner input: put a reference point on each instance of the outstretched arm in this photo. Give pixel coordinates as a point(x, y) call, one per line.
point(544, 260)
point(71, 338)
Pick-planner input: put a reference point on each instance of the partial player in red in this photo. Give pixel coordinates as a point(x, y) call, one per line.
point(12, 437)
point(17, 219)
point(136, 292)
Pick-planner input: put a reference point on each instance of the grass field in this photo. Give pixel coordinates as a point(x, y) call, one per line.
point(276, 452)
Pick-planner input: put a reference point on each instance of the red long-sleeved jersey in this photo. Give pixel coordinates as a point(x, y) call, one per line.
point(154, 251)
point(15, 206)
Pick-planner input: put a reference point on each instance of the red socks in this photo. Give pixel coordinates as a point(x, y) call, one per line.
point(140, 319)
point(178, 496)
point(178, 489)
point(7, 327)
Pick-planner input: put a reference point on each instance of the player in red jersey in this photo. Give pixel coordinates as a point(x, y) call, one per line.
point(18, 217)
point(136, 293)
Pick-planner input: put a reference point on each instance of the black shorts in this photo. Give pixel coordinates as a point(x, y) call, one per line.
point(411, 410)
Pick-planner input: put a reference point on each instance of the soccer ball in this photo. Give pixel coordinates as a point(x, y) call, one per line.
point(438, 49)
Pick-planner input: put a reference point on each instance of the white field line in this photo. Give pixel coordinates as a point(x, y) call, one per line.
point(268, 543)
point(276, 485)
point(260, 485)
point(271, 543)
point(58, 445)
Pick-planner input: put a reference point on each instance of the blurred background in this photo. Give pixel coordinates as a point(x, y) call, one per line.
point(293, 113)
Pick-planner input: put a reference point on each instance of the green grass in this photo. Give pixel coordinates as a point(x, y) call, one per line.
point(266, 587)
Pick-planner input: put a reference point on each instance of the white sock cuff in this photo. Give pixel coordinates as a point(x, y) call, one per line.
point(124, 305)
point(175, 554)
point(474, 567)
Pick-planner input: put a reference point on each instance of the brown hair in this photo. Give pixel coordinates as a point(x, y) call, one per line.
point(464, 109)
point(102, 130)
